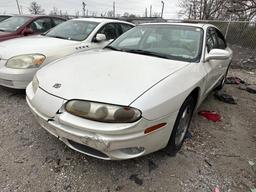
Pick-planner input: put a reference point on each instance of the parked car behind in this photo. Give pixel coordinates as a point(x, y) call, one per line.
point(19, 26)
point(134, 97)
point(4, 17)
point(21, 58)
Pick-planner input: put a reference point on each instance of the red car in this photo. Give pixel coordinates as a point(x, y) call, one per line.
point(19, 26)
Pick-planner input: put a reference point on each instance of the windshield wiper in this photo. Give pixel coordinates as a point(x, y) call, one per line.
point(113, 48)
point(149, 53)
point(2, 30)
point(59, 37)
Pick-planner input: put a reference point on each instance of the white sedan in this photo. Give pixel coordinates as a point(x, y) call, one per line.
point(21, 58)
point(134, 97)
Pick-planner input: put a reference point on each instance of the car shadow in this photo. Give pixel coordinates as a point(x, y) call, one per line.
point(9, 92)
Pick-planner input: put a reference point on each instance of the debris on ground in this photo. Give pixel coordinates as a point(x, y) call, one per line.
point(234, 80)
point(188, 135)
point(151, 165)
point(207, 162)
point(248, 63)
point(216, 189)
point(210, 115)
point(119, 187)
point(251, 163)
point(225, 98)
point(251, 89)
point(136, 179)
point(242, 87)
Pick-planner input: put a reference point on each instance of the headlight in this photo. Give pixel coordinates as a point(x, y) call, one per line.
point(103, 112)
point(25, 61)
point(35, 84)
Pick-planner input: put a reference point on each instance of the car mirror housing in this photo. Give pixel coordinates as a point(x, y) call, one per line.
point(100, 37)
point(217, 54)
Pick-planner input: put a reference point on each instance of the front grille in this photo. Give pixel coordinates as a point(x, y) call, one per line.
point(87, 149)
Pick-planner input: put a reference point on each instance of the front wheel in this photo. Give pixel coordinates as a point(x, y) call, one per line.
point(181, 126)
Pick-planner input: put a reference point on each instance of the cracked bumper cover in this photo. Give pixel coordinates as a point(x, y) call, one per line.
point(108, 139)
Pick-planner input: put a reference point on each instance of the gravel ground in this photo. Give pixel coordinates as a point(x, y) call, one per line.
point(217, 155)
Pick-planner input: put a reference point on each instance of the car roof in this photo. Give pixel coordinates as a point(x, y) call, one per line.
point(102, 20)
point(201, 25)
point(36, 16)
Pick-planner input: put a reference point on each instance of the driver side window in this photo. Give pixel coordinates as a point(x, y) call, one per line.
point(109, 30)
point(41, 25)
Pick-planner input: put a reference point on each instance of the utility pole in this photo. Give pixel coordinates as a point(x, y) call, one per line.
point(84, 5)
point(150, 11)
point(21, 9)
point(162, 9)
point(146, 12)
point(190, 11)
point(18, 6)
point(114, 9)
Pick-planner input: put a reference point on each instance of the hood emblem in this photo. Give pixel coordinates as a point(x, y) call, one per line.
point(57, 85)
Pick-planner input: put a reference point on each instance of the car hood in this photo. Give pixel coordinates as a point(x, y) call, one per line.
point(32, 44)
point(105, 76)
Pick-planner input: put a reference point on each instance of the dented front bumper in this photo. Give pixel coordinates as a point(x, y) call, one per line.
point(108, 141)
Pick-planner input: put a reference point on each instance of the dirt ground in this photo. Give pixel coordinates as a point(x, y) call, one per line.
point(217, 155)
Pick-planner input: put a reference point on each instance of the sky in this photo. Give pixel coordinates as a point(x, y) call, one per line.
point(136, 7)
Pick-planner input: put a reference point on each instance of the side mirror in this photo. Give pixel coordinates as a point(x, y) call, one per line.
point(100, 37)
point(27, 31)
point(217, 54)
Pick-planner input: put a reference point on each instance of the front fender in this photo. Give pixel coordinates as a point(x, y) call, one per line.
point(168, 95)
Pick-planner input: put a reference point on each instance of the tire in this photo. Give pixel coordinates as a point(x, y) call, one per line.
point(175, 144)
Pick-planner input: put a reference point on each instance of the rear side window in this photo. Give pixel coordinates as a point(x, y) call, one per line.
point(110, 30)
point(57, 21)
point(41, 25)
point(126, 27)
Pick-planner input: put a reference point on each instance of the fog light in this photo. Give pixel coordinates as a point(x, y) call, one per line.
point(133, 150)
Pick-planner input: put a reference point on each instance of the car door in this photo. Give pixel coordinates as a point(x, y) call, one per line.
point(40, 25)
point(223, 45)
point(212, 67)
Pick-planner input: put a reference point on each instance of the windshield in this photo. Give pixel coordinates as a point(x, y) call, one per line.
point(175, 42)
point(72, 30)
point(13, 23)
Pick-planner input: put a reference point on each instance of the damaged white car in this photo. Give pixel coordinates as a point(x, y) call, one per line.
point(134, 97)
point(21, 58)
